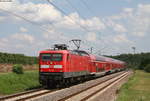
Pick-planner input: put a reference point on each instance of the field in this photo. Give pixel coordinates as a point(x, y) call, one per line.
point(137, 88)
point(13, 83)
point(8, 67)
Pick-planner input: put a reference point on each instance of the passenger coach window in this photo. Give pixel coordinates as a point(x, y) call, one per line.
point(51, 57)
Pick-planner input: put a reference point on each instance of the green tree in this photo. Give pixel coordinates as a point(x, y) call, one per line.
point(144, 63)
point(147, 68)
point(17, 59)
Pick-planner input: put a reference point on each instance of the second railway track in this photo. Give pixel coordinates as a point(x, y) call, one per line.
point(85, 94)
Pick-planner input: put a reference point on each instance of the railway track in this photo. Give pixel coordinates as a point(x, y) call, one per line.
point(85, 94)
point(67, 94)
point(25, 95)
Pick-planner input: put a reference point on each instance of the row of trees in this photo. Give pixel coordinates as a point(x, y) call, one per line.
point(17, 59)
point(136, 61)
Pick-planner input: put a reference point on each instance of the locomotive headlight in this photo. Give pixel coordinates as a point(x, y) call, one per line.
point(44, 66)
point(57, 66)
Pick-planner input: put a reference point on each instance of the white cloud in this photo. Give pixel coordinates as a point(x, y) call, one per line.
point(95, 24)
point(22, 29)
point(36, 12)
point(121, 38)
point(2, 18)
point(116, 26)
point(131, 22)
point(74, 21)
point(115, 17)
point(91, 37)
point(134, 21)
point(2, 44)
point(4, 40)
point(119, 28)
point(128, 10)
point(141, 21)
point(139, 34)
point(19, 46)
point(22, 43)
point(128, 0)
point(23, 37)
point(143, 8)
point(45, 13)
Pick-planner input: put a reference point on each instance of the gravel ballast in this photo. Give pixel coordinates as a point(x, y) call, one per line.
point(57, 95)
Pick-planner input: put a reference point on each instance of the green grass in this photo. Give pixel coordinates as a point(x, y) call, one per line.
point(13, 83)
point(137, 88)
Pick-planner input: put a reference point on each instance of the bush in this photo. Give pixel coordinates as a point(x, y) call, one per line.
point(18, 69)
point(147, 68)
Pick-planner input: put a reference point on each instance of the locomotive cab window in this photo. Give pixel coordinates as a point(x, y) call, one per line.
point(45, 57)
point(51, 57)
point(56, 57)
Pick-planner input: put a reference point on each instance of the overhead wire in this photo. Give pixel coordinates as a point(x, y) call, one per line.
point(78, 13)
point(68, 1)
point(72, 20)
point(73, 7)
point(27, 20)
point(37, 24)
point(86, 5)
point(92, 12)
point(34, 23)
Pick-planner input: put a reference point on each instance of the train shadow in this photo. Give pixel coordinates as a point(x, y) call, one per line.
point(36, 87)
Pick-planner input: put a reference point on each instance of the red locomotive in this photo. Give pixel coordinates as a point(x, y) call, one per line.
point(60, 65)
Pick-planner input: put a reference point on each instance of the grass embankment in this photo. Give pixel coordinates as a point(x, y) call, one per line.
point(13, 83)
point(137, 88)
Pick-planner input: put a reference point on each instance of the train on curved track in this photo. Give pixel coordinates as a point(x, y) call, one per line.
point(62, 66)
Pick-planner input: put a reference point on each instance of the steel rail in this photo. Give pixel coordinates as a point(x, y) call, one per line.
point(30, 94)
point(19, 94)
point(94, 93)
point(36, 95)
point(65, 98)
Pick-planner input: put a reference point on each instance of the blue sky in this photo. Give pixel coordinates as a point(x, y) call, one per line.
point(112, 27)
